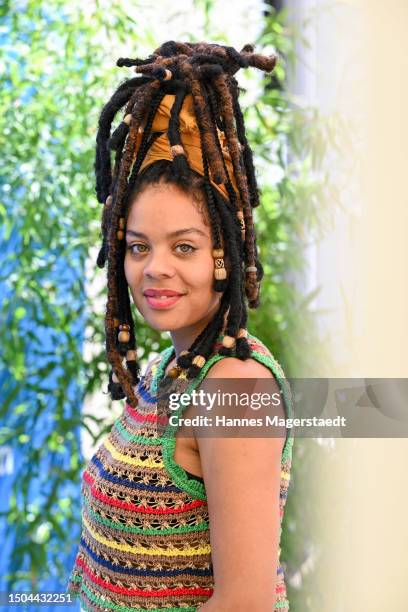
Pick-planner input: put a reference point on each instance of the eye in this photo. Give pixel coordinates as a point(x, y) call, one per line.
point(139, 248)
point(186, 248)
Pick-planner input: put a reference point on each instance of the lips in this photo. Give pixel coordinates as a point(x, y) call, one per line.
point(161, 299)
point(160, 292)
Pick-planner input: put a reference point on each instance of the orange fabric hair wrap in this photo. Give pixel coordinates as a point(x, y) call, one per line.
point(190, 139)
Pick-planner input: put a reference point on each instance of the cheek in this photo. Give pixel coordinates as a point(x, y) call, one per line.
point(202, 272)
point(133, 272)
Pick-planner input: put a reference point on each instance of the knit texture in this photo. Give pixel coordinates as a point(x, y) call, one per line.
point(145, 542)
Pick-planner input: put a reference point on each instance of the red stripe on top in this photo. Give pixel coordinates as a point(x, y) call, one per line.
point(142, 592)
point(128, 506)
point(143, 418)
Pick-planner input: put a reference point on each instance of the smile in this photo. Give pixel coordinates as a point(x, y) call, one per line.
point(160, 302)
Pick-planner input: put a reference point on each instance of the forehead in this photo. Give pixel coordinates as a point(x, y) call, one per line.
point(163, 208)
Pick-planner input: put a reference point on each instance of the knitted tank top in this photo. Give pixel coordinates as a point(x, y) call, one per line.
point(145, 542)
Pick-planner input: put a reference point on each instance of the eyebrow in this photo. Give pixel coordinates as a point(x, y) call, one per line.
point(180, 232)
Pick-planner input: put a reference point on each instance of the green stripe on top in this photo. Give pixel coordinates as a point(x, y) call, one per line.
point(145, 531)
point(284, 386)
point(158, 375)
point(135, 437)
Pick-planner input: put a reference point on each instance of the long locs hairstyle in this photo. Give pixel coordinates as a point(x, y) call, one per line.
point(206, 71)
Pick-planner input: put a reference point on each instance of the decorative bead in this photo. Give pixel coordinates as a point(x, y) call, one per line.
point(130, 355)
point(115, 379)
point(109, 200)
point(174, 372)
point(199, 361)
point(219, 263)
point(240, 216)
point(122, 223)
point(184, 353)
point(218, 253)
point(120, 234)
point(228, 341)
point(251, 269)
point(116, 322)
point(123, 336)
point(124, 326)
point(168, 74)
point(242, 333)
point(183, 374)
point(128, 119)
point(220, 273)
point(177, 150)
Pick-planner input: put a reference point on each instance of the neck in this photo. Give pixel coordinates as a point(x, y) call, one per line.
point(183, 338)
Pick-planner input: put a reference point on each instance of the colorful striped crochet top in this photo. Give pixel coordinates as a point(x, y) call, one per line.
point(145, 542)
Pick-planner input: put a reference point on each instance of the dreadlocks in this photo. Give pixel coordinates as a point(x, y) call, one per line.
point(204, 71)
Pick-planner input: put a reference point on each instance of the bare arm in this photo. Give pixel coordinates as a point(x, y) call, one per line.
point(242, 479)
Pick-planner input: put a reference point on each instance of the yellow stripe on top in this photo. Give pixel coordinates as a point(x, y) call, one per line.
point(131, 460)
point(154, 367)
point(139, 550)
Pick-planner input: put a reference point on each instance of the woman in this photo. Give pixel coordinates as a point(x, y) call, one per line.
point(174, 522)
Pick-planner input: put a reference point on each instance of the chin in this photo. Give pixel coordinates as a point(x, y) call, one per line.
point(163, 321)
point(166, 321)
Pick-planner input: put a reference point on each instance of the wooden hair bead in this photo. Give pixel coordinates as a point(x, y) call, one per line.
point(122, 223)
point(219, 263)
point(228, 341)
point(116, 322)
point(168, 74)
point(174, 372)
point(242, 333)
point(120, 234)
point(240, 216)
point(220, 273)
point(123, 336)
point(199, 361)
point(184, 353)
point(130, 355)
point(251, 269)
point(177, 150)
point(128, 119)
point(218, 253)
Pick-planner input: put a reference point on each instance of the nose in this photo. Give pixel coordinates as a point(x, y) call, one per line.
point(158, 265)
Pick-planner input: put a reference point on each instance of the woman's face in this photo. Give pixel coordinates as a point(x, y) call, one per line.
point(169, 251)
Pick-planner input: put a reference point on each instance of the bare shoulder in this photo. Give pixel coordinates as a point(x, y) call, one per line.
point(232, 367)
